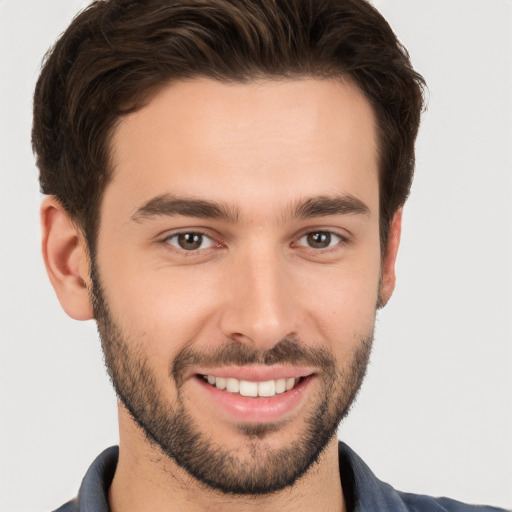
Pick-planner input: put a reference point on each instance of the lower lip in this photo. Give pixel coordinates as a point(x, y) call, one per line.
point(257, 409)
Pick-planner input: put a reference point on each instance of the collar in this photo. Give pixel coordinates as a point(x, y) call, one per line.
point(363, 491)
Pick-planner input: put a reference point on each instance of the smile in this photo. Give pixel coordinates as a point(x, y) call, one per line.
point(248, 388)
point(253, 394)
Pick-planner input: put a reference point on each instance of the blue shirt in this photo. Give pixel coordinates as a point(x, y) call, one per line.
point(362, 490)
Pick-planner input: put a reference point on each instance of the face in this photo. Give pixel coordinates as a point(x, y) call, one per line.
point(237, 273)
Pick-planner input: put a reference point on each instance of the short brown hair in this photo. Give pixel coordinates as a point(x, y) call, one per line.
point(116, 53)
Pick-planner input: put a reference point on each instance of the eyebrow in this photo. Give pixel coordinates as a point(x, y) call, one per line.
point(323, 206)
point(167, 205)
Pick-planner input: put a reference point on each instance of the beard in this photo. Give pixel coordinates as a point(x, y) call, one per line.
point(168, 425)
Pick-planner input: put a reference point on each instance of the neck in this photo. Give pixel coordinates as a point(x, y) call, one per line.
point(146, 480)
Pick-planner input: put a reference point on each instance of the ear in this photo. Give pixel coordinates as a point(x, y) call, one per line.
point(67, 259)
point(388, 278)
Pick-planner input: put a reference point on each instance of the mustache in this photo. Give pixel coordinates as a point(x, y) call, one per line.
point(289, 350)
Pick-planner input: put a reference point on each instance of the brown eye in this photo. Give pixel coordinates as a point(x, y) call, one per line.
point(190, 241)
point(320, 239)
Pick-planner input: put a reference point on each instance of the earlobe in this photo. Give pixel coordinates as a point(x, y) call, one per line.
point(388, 278)
point(66, 258)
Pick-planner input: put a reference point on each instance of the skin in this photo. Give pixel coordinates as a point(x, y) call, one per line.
point(258, 149)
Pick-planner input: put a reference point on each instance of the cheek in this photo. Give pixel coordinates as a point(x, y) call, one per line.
point(348, 307)
point(162, 309)
point(343, 304)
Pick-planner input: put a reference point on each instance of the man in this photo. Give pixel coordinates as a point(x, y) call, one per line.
point(225, 184)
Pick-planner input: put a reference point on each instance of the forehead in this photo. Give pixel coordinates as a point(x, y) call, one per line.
point(271, 141)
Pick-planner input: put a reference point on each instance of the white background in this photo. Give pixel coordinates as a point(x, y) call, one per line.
point(435, 413)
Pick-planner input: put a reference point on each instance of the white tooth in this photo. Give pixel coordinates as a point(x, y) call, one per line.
point(220, 382)
point(248, 388)
point(290, 383)
point(211, 380)
point(232, 385)
point(280, 386)
point(267, 388)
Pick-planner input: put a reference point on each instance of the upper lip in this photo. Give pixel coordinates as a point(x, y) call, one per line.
point(256, 373)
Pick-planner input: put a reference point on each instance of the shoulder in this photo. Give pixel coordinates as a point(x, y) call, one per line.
point(70, 506)
point(422, 503)
point(366, 493)
point(93, 492)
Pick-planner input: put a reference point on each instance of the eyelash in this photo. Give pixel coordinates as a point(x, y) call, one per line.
point(341, 241)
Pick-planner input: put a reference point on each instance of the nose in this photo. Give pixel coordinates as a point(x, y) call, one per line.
point(262, 308)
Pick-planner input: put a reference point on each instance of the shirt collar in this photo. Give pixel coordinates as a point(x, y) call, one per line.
point(93, 494)
point(363, 491)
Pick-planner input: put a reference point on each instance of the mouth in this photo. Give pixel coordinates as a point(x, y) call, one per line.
point(247, 388)
point(254, 395)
